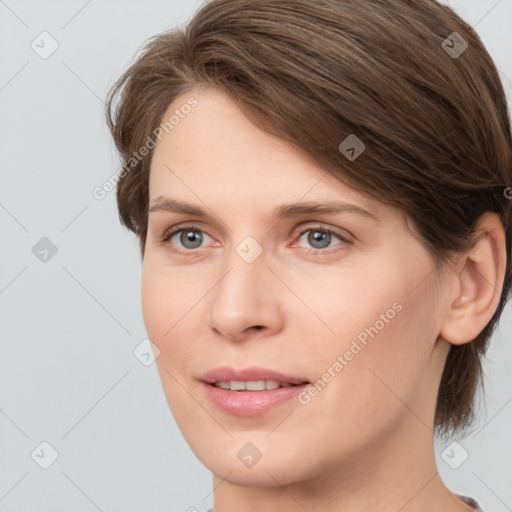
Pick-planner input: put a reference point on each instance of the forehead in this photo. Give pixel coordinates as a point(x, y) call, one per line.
point(216, 151)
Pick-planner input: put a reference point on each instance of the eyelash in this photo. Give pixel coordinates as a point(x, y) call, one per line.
point(297, 233)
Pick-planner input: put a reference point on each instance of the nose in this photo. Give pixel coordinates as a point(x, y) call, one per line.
point(245, 301)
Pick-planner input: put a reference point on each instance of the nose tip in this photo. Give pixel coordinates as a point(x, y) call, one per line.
point(238, 334)
point(244, 303)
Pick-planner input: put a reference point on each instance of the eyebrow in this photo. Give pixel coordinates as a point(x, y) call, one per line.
point(167, 204)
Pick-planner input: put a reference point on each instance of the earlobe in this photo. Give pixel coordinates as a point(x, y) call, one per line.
point(476, 283)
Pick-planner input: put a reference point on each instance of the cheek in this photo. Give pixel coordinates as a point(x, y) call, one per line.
point(171, 309)
point(380, 344)
point(163, 301)
point(338, 305)
point(154, 305)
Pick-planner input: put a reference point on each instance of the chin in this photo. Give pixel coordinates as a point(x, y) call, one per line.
point(246, 460)
point(260, 475)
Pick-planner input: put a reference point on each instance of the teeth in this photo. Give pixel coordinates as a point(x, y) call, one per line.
point(251, 385)
point(236, 385)
point(254, 385)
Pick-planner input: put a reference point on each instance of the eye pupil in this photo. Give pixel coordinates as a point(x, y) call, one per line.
point(319, 236)
point(193, 237)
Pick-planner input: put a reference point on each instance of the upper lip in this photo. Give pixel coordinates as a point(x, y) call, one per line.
point(226, 374)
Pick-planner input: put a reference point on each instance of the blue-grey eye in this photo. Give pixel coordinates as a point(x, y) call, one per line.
point(319, 238)
point(190, 238)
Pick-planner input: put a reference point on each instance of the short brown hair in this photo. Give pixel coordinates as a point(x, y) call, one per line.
point(435, 126)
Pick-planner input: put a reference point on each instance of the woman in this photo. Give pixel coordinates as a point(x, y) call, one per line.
point(320, 194)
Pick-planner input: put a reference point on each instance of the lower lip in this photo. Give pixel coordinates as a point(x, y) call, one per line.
point(250, 403)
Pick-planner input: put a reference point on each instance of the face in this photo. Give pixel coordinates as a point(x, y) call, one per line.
point(245, 284)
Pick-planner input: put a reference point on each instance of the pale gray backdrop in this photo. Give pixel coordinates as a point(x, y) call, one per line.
point(69, 282)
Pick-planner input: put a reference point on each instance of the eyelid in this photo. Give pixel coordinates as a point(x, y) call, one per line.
point(319, 226)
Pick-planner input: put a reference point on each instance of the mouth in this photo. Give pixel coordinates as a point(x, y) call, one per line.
point(250, 391)
point(250, 379)
point(252, 385)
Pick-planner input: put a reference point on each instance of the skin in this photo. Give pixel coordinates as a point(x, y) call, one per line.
point(365, 442)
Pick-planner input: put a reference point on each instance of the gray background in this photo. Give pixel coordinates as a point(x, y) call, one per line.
point(69, 324)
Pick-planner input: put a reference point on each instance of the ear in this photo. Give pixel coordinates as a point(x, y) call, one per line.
point(475, 283)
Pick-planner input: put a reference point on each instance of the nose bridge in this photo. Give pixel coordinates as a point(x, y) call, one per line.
point(247, 270)
point(244, 297)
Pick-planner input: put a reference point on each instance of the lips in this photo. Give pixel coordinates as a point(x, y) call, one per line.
point(225, 374)
point(249, 391)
